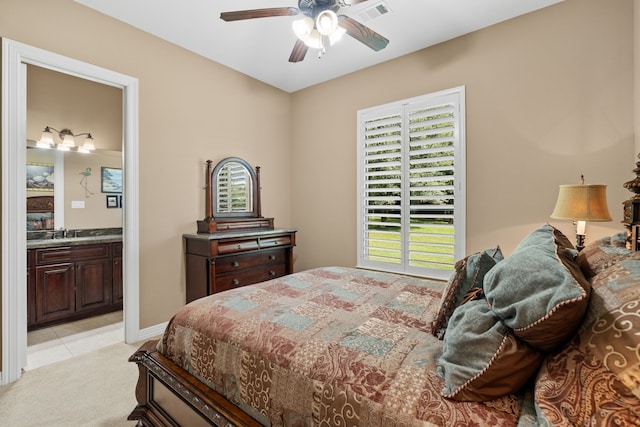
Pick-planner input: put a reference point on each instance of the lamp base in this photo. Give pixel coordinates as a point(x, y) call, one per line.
point(580, 241)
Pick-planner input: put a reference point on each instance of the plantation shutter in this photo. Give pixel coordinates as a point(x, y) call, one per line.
point(411, 170)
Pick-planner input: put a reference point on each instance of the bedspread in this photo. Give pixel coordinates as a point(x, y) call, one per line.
point(327, 347)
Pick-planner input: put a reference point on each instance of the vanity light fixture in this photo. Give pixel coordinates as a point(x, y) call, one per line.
point(582, 203)
point(68, 140)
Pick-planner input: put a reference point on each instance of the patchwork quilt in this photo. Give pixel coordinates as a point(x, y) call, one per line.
point(327, 347)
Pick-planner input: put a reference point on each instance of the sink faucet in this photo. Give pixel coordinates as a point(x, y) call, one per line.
point(64, 231)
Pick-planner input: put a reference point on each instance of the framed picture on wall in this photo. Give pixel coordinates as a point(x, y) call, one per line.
point(112, 201)
point(39, 177)
point(111, 180)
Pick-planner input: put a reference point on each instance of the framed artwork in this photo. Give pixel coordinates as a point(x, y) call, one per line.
point(111, 180)
point(112, 201)
point(39, 177)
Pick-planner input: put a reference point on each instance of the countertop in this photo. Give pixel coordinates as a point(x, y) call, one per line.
point(72, 241)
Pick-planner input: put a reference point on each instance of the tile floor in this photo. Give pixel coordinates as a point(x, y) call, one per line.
point(49, 345)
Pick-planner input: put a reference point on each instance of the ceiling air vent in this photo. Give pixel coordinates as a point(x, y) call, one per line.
point(374, 11)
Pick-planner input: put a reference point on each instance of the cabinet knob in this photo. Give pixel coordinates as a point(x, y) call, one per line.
point(272, 257)
point(235, 281)
point(272, 273)
point(235, 264)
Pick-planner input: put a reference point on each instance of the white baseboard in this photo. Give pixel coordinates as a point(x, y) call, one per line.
point(151, 332)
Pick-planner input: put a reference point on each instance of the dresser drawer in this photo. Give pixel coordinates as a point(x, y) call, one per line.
point(235, 246)
point(240, 262)
point(244, 245)
point(236, 279)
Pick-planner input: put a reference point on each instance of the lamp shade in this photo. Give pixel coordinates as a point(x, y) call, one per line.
point(582, 203)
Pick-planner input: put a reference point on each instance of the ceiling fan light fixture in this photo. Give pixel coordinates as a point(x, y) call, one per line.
point(314, 40)
point(302, 27)
point(336, 36)
point(327, 22)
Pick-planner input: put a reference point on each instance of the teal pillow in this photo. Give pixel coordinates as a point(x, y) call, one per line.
point(482, 359)
point(539, 290)
point(468, 274)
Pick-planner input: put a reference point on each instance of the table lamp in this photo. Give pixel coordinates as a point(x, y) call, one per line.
point(582, 203)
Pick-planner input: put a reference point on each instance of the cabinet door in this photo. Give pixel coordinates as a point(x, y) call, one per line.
point(31, 288)
point(54, 292)
point(117, 280)
point(116, 271)
point(93, 284)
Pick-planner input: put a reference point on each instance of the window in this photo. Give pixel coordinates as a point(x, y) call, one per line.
point(411, 170)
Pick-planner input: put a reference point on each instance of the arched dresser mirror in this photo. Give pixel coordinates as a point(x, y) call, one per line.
point(233, 197)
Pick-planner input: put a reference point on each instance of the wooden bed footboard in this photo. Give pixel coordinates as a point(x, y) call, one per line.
point(168, 395)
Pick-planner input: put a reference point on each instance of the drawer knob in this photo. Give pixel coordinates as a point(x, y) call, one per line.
point(235, 264)
point(272, 273)
point(235, 281)
point(272, 257)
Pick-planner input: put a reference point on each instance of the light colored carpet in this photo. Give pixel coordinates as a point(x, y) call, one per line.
point(96, 389)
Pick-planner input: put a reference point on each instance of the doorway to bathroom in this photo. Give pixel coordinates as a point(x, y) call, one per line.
point(15, 57)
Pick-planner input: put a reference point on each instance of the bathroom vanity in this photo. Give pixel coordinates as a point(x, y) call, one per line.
point(72, 278)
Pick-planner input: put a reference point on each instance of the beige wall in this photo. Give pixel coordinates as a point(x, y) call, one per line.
point(549, 96)
point(636, 69)
point(190, 110)
point(64, 101)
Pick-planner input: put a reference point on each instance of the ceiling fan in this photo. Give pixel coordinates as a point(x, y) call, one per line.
point(319, 24)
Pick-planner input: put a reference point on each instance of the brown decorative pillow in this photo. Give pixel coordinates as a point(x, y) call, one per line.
point(482, 359)
point(539, 291)
point(468, 274)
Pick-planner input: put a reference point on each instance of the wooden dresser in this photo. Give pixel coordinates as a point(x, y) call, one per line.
point(219, 261)
point(235, 245)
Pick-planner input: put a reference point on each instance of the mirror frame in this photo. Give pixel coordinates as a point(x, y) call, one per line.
point(254, 212)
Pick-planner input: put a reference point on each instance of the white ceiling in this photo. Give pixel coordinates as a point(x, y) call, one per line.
point(261, 47)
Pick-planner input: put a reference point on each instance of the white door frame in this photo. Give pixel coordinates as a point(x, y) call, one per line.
point(14, 245)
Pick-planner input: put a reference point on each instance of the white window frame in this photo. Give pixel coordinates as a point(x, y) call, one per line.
point(455, 100)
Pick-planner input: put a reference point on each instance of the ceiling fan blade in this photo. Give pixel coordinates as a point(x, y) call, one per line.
point(258, 13)
point(298, 52)
point(363, 33)
point(354, 2)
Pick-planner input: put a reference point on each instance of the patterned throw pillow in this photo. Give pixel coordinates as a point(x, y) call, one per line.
point(482, 359)
point(539, 291)
point(602, 253)
point(468, 274)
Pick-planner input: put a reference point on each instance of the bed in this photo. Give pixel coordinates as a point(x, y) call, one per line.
point(340, 346)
